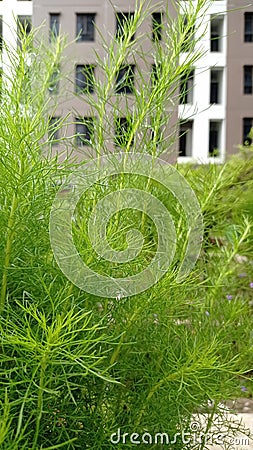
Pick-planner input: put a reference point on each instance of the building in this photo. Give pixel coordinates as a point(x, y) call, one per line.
point(203, 109)
point(82, 21)
point(13, 12)
point(215, 109)
point(239, 105)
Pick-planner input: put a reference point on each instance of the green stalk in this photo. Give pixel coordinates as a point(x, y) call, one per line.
point(8, 246)
point(40, 400)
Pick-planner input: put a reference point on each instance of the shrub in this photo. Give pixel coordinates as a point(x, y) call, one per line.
point(75, 367)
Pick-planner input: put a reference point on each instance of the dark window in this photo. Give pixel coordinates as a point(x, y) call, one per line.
point(157, 26)
point(156, 131)
point(247, 130)
point(248, 79)
point(248, 27)
point(155, 74)
point(1, 33)
point(125, 80)
point(54, 80)
point(216, 34)
point(1, 81)
point(85, 27)
point(85, 77)
point(54, 24)
point(122, 22)
point(214, 138)
point(53, 132)
point(123, 128)
point(24, 25)
point(84, 131)
point(215, 86)
point(186, 88)
point(188, 36)
point(185, 138)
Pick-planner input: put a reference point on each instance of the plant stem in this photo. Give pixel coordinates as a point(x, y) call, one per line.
point(40, 400)
point(9, 241)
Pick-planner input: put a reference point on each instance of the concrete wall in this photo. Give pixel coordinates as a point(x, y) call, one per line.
point(200, 110)
point(240, 53)
point(84, 52)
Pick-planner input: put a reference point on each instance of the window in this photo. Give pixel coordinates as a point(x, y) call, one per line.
point(216, 33)
point(247, 130)
point(85, 77)
point(53, 132)
point(188, 36)
point(125, 80)
point(156, 131)
point(54, 24)
point(122, 22)
point(186, 88)
point(1, 33)
point(85, 27)
point(248, 79)
point(54, 81)
point(84, 131)
point(185, 138)
point(248, 27)
point(24, 25)
point(214, 138)
point(155, 73)
point(123, 128)
point(157, 26)
point(1, 81)
point(216, 86)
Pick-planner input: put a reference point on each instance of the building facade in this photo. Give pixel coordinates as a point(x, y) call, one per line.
point(203, 111)
point(83, 22)
point(13, 12)
point(239, 106)
point(215, 111)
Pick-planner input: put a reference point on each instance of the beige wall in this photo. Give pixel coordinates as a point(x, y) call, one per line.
point(239, 54)
point(83, 52)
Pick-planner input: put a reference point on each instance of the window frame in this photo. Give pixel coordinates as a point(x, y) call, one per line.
point(185, 126)
point(157, 26)
point(212, 148)
point(247, 123)
point(248, 33)
point(122, 127)
point(248, 79)
point(216, 36)
point(84, 82)
point(54, 81)
point(186, 88)
point(54, 25)
point(216, 86)
point(84, 137)
point(125, 79)
point(120, 24)
point(54, 135)
point(189, 41)
point(84, 34)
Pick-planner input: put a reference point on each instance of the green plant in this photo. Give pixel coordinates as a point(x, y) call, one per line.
point(48, 343)
point(75, 367)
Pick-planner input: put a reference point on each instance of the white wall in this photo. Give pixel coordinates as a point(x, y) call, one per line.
point(9, 10)
point(200, 111)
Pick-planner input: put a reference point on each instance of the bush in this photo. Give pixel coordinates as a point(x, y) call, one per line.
point(76, 367)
